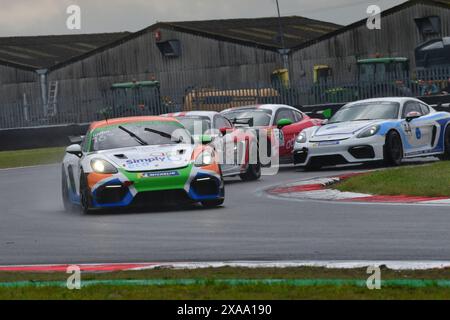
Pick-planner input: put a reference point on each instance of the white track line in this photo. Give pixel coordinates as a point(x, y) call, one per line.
point(29, 167)
point(394, 265)
point(331, 264)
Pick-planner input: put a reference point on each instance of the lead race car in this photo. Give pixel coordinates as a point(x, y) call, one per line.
point(234, 146)
point(139, 161)
point(382, 129)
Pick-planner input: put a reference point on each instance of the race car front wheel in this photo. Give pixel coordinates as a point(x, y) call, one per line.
point(393, 149)
point(253, 171)
point(446, 154)
point(85, 196)
point(68, 205)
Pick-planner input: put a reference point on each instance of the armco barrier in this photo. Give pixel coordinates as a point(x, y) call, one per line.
point(39, 137)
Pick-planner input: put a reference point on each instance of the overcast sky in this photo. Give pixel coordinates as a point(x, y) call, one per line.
point(40, 17)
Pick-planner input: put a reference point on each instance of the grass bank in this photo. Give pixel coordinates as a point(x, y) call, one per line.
point(290, 283)
point(30, 157)
point(430, 180)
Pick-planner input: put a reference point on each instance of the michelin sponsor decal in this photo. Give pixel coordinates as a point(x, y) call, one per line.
point(158, 174)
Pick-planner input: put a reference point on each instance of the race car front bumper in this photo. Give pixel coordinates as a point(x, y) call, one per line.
point(334, 152)
point(190, 184)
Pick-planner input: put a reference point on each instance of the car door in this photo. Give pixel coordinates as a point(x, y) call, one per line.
point(418, 132)
point(429, 126)
point(228, 146)
point(287, 132)
point(72, 169)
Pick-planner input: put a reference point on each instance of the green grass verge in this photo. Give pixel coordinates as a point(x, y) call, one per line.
point(431, 180)
point(224, 292)
point(30, 157)
point(210, 288)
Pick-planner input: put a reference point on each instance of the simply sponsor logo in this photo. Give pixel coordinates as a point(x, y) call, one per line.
point(151, 159)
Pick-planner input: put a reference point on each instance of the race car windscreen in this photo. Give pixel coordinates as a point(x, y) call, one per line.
point(367, 111)
point(196, 125)
point(261, 117)
point(138, 134)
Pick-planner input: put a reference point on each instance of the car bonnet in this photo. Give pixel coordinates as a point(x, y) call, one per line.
point(150, 158)
point(340, 131)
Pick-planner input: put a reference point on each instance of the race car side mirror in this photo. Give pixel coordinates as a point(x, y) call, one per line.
point(283, 123)
point(223, 131)
point(413, 115)
point(76, 139)
point(74, 149)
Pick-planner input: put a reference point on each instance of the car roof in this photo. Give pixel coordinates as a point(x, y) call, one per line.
point(118, 121)
point(273, 107)
point(400, 100)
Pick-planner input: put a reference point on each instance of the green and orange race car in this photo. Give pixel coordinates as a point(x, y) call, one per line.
point(139, 161)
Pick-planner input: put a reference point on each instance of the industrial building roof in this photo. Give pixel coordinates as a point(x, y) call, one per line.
point(262, 31)
point(42, 52)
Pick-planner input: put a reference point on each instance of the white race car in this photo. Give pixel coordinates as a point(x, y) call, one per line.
point(138, 161)
point(382, 129)
point(233, 144)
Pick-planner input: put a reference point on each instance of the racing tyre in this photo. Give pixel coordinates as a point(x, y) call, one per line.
point(212, 203)
point(311, 166)
point(393, 149)
point(253, 171)
point(68, 205)
point(446, 154)
point(86, 201)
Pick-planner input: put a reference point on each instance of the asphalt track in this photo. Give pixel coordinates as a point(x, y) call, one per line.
point(34, 228)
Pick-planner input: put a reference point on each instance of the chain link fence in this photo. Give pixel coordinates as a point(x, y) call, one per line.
point(132, 99)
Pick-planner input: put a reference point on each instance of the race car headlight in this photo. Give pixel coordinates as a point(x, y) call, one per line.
point(102, 166)
point(369, 132)
point(301, 138)
point(204, 159)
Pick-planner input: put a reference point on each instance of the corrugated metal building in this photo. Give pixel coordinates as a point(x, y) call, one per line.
point(216, 53)
point(402, 30)
point(22, 59)
point(180, 55)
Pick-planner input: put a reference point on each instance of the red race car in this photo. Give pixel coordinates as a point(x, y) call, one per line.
point(288, 120)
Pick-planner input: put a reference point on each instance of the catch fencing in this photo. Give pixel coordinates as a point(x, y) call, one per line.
point(149, 101)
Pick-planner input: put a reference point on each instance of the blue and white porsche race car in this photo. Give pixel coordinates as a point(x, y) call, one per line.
point(382, 129)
